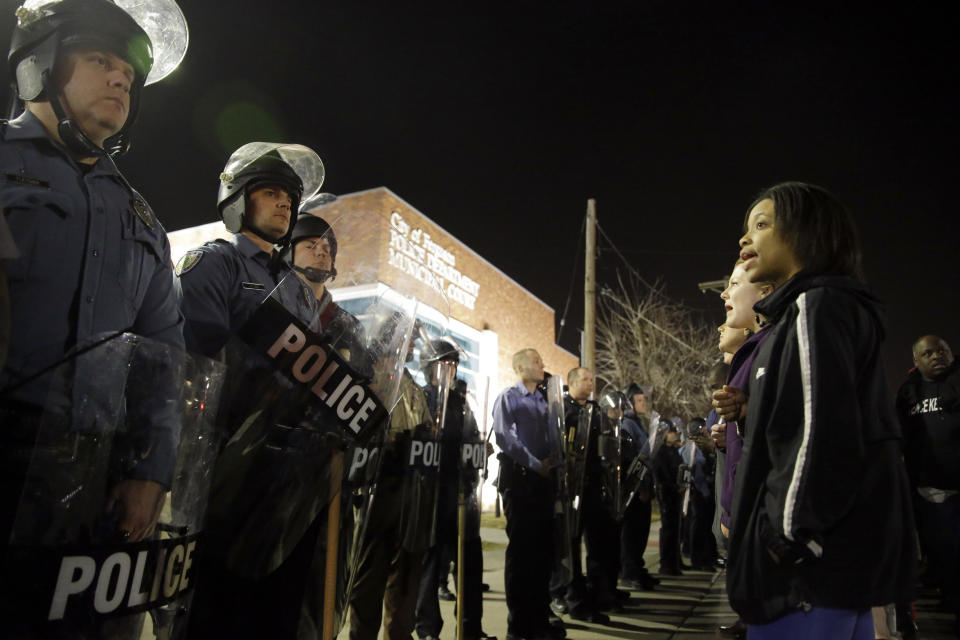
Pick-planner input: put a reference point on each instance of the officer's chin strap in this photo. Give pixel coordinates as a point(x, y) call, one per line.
point(74, 138)
point(316, 275)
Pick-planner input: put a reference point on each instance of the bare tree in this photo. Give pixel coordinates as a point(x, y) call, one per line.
point(645, 338)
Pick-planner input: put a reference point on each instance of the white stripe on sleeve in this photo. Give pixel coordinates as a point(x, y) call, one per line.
point(803, 345)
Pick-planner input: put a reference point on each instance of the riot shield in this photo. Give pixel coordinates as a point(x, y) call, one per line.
point(309, 382)
point(562, 533)
point(387, 474)
point(613, 404)
point(640, 470)
point(296, 401)
point(129, 421)
point(578, 445)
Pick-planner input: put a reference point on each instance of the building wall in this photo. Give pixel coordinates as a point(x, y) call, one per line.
point(517, 317)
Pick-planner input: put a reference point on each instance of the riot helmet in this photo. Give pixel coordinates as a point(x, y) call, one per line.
point(294, 168)
point(696, 427)
point(439, 351)
point(150, 35)
point(309, 225)
point(613, 399)
point(633, 389)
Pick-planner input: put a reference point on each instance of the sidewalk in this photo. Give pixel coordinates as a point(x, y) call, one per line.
point(687, 606)
point(683, 607)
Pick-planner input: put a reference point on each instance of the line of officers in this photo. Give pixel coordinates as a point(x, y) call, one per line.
point(86, 257)
point(573, 469)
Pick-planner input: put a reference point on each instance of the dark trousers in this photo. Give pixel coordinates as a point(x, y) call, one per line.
point(941, 533)
point(228, 606)
point(601, 534)
point(702, 544)
point(634, 532)
point(436, 566)
point(528, 503)
point(670, 504)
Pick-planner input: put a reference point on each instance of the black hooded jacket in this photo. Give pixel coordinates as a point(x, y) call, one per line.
point(821, 507)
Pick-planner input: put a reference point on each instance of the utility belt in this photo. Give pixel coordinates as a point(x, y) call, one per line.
point(516, 477)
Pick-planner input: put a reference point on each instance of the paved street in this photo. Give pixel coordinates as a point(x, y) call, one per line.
point(683, 607)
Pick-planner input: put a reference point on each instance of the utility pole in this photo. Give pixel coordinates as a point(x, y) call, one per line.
point(590, 287)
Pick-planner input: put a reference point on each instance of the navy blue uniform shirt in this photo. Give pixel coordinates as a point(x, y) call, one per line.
point(93, 256)
point(223, 283)
point(93, 259)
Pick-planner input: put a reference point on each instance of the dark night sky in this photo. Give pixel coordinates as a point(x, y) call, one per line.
point(499, 120)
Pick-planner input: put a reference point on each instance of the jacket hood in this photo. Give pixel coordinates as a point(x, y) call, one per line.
point(774, 305)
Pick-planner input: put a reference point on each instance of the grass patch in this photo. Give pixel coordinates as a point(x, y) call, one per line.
point(490, 520)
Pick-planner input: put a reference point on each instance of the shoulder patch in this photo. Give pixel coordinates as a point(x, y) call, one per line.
point(189, 260)
point(143, 211)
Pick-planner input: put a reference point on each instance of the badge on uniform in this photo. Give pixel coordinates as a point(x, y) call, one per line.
point(143, 211)
point(189, 260)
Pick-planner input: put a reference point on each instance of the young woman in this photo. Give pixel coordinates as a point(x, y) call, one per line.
point(730, 401)
point(739, 298)
point(821, 527)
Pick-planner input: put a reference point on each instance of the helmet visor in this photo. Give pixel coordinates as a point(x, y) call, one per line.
point(303, 160)
point(162, 20)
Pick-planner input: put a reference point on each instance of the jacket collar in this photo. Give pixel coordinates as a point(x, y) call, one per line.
point(773, 306)
point(28, 127)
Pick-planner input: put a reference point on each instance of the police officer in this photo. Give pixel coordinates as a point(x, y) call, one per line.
point(527, 461)
point(224, 281)
point(313, 255)
point(635, 528)
point(94, 256)
point(666, 470)
point(586, 602)
point(389, 567)
point(459, 426)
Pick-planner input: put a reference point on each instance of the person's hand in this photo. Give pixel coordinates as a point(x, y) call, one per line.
point(704, 442)
point(718, 433)
point(137, 505)
point(489, 449)
point(730, 403)
point(725, 530)
point(547, 464)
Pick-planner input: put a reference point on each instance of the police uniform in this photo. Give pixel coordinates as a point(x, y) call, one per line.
point(223, 283)
point(94, 259)
point(635, 529)
point(8, 248)
point(388, 574)
point(597, 527)
point(460, 425)
point(94, 256)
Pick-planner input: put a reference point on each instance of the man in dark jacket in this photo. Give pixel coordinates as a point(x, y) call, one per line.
point(821, 511)
point(929, 408)
point(666, 469)
point(636, 518)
